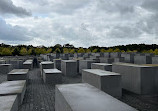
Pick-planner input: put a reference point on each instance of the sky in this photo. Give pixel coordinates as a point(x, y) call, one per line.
point(82, 23)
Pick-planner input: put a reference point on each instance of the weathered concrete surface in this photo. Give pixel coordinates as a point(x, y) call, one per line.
point(106, 81)
point(46, 65)
point(5, 68)
point(142, 59)
point(155, 60)
point(14, 88)
point(84, 97)
point(102, 66)
point(136, 78)
point(28, 64)
point(106, 60)
point(18, 74)
point(128, 57)
point(9, 103)
point(119, 59)
point(85, 64)
point(52, 76)
point(69, 67)
point(57, 63)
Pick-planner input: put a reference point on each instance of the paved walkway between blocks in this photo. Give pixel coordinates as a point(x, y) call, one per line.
point(40, 96)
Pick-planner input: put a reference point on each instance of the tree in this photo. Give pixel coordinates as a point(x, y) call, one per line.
point(65, 50)
point(88, 50)
point(16, 51)
point(57, 50)
point(23, 51)
point(109, 50)
point(72, 51)
point(81, 50)
point(102, 50)
point(117, 50)
point(49, 50)
point(95, 50)
point(6, 51)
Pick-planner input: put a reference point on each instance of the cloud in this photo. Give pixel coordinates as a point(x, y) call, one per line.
point(87, 22)
point(7, 7)
point(13, 34)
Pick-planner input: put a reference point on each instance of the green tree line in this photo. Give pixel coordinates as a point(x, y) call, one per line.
point(8, 50)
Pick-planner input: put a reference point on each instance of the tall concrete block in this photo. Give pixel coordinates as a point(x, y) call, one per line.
point(155, 60)
point(69, 67)
point(120, 59)
point(106, 81)
point(18, 74)
point(28, 64)
point(142, 60)
point(5, 68)
point(85, 64)
point(102, 66)
point(52, 76)
point(9, 103)
point(57, 63)
point(84, 97)
point(136, 78)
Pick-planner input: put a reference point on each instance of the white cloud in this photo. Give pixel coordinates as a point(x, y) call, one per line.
point(86, 22)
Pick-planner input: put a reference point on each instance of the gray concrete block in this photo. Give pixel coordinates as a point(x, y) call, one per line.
point(115, 54)
point(52, 76)
point(14, 88)
point(9, 103)
point(18, 74)
point(106, 60)
point(57, 63)
point(128, 58)
point(102, 66)
point(84, 97)
point(155, 60)
point(142, 59)
point(106, 81)
point(46, 65)
point(5, 68)
point(120, 59)
point(85, 64)
point(69, 67)
point(136, 78)
point(28, 64)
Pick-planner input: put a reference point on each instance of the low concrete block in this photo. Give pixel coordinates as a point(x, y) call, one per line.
point(18, 74)
point(106, 81)
point(28, 64)
point(102, 66)
point(46, 65)
point(14, 88)
point(52, 76)
point(136, 78)
point(85, 64)
point(84, 97)
point(5, 68)
point(9, 103)
point(69, 67)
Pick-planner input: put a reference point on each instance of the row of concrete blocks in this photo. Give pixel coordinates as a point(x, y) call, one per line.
point(140, 79)
point(12, 94)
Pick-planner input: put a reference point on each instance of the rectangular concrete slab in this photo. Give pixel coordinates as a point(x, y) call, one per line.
point(18, 74)
point(13, 88)
point(102, 66)
point(52, 76)
point(9, 103)
point(84, 97)
point(46, 65)
point(136, 78)
point(106, 81)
